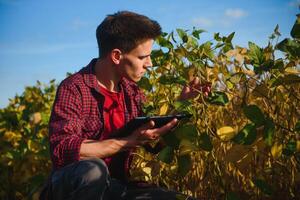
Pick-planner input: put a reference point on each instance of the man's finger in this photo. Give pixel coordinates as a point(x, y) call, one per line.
point(148, 125)
point(196, 81)
point(167, 127)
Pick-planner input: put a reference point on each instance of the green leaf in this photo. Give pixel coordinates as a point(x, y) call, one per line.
point(267, 65)
point(186, 147)
point(180, 197)
point(186, 131)
point(168, 80)
point(184, 165)
point(276, 30)
point(254, 114)
point(204, 142)
point(218, 45)
point(290, 148)
point(157, 53)
point(295, 32)
point(272, 36)
point(145, 84)
point(218, 98)
point(246, 136)
point(9, 155)
point(217, 37)
point(289, 46)
point(207, 50)
point(227, 47)
point(232, 196)
point(255, 54)
point(171, 140)
point(36, 180)
point(166, 155)
point(45, 118)
point(297, 127)
point(164, 42)
point(148, 108)
point(182, 105)
point(263, 186)
point(182, 34)
point(279, 64)
point(191, 42)
point(229, 38)
point(196, 33)
point(269, 130)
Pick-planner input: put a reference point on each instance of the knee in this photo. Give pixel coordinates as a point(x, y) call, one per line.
point(92, 171)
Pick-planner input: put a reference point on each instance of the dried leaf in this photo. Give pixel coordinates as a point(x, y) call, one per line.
point(276, 150)
point(226, 133)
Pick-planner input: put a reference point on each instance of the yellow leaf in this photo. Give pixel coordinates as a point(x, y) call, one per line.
point(298, 145)
point(243, 51)
point(249, 72)
point(251, 183)
point(143, 164)
point(33, 146)
point(36, 117)
point(8, 136)
point(276, 150)
point(191, 73)
point(231, 53)
point(21, 108)
point(147, 170)
point(212, 72)
point(13, 137)
point(239, 58)
point(229, 85)
point(292, 70)
point(226, 133)
point(164, 109)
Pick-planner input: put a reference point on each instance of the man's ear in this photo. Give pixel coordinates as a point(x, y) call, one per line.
point(116, 56)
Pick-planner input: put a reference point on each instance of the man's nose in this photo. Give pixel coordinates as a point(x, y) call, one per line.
point(149, 62)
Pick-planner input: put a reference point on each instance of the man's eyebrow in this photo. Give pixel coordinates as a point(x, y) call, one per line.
point(144, 56)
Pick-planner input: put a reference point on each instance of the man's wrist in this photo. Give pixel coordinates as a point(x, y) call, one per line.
point(125, 143)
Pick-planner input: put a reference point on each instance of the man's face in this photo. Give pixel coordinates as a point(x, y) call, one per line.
point(135, 62)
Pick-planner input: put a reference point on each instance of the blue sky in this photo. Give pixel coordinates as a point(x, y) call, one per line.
point(43, 40)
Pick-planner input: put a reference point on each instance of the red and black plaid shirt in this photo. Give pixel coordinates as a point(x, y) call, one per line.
point(77, 114)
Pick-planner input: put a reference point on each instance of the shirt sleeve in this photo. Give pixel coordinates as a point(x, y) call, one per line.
point(65, 126)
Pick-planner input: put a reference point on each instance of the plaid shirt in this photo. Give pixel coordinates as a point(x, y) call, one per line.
point(77, 115)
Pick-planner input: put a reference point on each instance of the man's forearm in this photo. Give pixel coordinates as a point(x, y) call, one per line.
point(104, 148)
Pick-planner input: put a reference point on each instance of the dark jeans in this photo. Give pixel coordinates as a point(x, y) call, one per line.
point(89, 179)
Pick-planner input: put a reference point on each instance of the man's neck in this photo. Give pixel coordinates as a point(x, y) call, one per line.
point(107, 75)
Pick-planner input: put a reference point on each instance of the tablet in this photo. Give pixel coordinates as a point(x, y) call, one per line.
point(139, 121)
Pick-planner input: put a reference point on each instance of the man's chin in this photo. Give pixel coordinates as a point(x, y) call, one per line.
point(135, 79)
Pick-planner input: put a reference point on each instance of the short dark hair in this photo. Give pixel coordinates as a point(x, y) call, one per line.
point(125, 30)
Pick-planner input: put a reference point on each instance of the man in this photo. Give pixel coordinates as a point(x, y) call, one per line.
point(89, 160)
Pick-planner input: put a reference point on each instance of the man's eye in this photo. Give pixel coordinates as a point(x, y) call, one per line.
point(143, 57)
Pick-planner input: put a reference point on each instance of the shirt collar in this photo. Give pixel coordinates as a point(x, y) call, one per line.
point(89, 75)
point(90, 79)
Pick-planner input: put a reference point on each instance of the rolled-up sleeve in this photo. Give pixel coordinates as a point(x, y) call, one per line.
point(65, 126)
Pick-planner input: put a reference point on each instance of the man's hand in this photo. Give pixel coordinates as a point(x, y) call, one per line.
point(193, 89)
point(147, 133)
